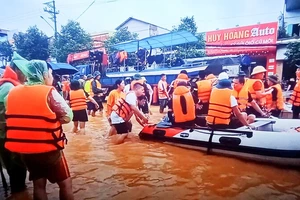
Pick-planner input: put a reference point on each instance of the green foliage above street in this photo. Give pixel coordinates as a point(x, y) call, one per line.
point(33, 44)
point(121, 35)
point(293, 53)
point(71, 39)
point(191, 50)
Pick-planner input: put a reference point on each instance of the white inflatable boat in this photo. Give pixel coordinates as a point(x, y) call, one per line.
point(275, 141)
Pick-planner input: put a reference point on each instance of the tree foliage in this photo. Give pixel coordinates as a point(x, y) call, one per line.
point(293, 53)
point(282, 28)
point(121, 35)
point(6, 49)
point(191, 50)
point(72, 39)
point(33, 44)
point(187, 24)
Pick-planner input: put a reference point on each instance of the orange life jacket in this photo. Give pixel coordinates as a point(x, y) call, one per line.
point(204, 89)
point(162, 92)
point(241, 97)
point(136, 81)
point(179, 115)
point(78, 100)
point(249, 84)
point(219, 110)
point(180, 78)
point(32, 127)
point(123, 56)
point(112, 98)
point(280, 99)
point(8, 80)
point(295, 97)
point(9, 76)
point(122, 108)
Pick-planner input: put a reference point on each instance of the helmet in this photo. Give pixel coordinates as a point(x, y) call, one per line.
point(223, 75)
point(96, 73)
point(258, 69)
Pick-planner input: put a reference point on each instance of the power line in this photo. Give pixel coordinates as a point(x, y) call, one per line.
point(85, 10)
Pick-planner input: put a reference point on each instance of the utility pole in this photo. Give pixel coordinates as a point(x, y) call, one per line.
point(51, 9)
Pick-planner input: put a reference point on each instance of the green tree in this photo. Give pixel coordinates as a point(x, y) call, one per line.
point(6, 49)
point(5, 52)
point(293, 53)
point(187, 24)
point(72, 39)
point(191, 50)
point(33, 44)
point(282, 28)
point(122, 35)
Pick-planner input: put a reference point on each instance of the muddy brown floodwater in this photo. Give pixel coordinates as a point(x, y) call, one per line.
point(146, 170)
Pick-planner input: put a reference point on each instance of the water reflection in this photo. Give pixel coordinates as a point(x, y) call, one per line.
point(147, 170)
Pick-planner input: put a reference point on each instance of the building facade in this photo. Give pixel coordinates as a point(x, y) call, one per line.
point(3, 35)
point(291, 19)
point(142, 28)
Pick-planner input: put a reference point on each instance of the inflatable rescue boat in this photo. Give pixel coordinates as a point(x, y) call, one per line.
point(275, 141)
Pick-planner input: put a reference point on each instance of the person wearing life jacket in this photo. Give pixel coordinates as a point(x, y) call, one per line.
point(124, 109)
point(295, 97)
point(77, 100)
point(275, 100)
point(182, 77)
point(204, 88)
point(112, 99)
point(163, 95)
point(256, 88)
point(149, 94)
point(66, 86)
point(13, 75)
point(182, 111)
point(221, 106)
point(57, 84)
point(82, 80)
point(34, 129)
point(244, 99)
point(88, 89)
point(97, 92)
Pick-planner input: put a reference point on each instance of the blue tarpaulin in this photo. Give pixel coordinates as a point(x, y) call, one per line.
point(159, 41)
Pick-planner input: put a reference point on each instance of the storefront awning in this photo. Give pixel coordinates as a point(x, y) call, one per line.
point(159, 41)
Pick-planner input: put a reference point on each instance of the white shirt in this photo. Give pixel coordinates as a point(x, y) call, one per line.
point(126, 88)
point(233, 101)
point(131, 99)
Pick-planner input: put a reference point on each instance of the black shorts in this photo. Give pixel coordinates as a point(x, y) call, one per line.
point(123, 128)
point(80, 115)
point(90, 106)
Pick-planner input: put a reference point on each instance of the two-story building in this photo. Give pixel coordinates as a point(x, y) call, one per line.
point(142, 28)
point(291, 19)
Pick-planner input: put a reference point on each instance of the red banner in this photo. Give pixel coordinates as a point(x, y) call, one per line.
point(259, 34)
point(214, 51)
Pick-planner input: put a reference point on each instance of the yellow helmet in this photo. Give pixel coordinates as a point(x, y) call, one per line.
point(258, 69)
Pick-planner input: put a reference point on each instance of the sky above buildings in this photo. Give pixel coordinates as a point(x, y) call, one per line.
point(106, 15)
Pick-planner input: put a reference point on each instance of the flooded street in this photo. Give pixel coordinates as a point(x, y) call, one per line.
point(147, 170)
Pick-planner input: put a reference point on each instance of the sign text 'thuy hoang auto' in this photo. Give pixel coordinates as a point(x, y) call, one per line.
point(259, 34)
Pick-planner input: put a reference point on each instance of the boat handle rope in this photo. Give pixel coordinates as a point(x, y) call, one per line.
point(222, 134)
